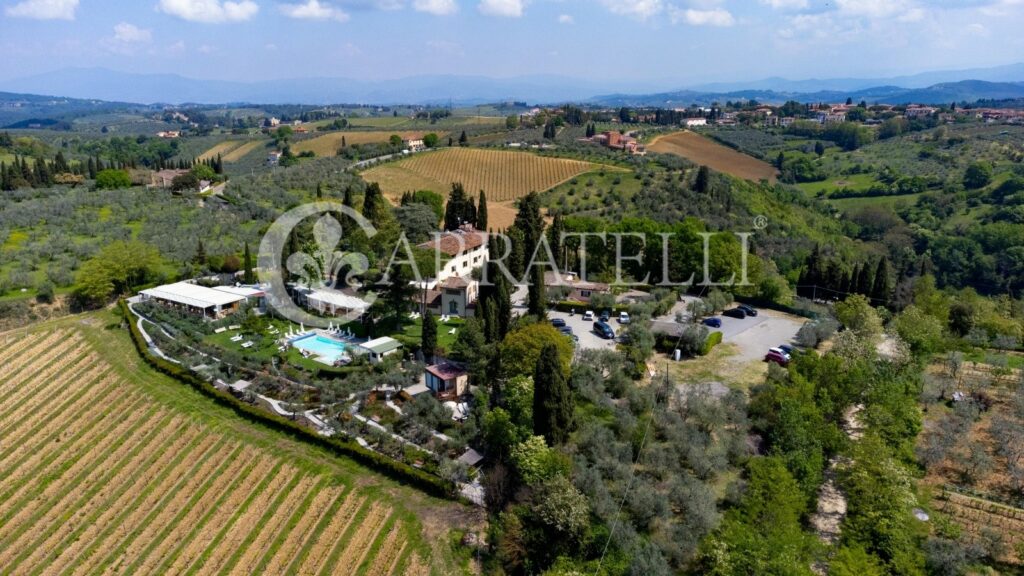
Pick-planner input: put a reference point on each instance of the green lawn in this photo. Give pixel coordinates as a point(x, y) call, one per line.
point(412, 332)
point(855, 181)
point(847, 204)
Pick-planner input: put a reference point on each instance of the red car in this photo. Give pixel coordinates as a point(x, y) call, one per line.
point(779, 359)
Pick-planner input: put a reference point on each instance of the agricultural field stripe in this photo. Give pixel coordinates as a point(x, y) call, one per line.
point(62, 455)
point(327, 498)
point(325, 541)
point(127, 443)
point(35, 404)
point(267, 531)
point(22, 347)
point(236, 459)
point(32, 348)
point(125, 531)
point(13, 345)
point(237, 485)
point(254, 530)
point(357, 554)
point(31, 459)
point(293, 520)
point(145, 464)
point(267, 481)
point(368, 526)
point(387, 537)
point(85, 543)
point(389, 552)
point(33, 396)
point(242, 528)
point(41, 353)
point(344, 499)
point(27, 390)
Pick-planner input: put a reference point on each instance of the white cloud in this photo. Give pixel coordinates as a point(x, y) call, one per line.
point(640, 9)
point(130, 33)
point(210, 11)
point(566, 19)
point(715, 17)
point(503, 8)
point(786, 4)
point(314, 10)
point(436, 7)
point(43, 9)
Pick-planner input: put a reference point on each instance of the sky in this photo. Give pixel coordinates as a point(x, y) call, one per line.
point(659, 42)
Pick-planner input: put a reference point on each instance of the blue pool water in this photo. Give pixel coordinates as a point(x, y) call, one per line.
point(330, 350)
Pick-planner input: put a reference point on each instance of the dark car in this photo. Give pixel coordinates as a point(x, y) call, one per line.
point(605, 316)
point(603, 330)
point(777, 358)
point(735, 313)
point(557, 322)
point(748, 310)
point(712, 322)
point(567, 330)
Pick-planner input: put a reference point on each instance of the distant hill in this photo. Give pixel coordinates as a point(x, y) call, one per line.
point(104, 84)
point(963, 91)
point(463, 90)
point(23, 110)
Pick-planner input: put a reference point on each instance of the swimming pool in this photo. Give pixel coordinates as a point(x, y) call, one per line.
point(327, 349)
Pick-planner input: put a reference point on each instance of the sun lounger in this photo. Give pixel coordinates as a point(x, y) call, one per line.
point(452, 331)
point(248, 345)
point(220, 330)
point(234, 327)
point(237, 338)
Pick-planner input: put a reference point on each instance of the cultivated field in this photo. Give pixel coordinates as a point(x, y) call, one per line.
point(232, 150)
point(98, 476)
point(701, 150)
point(328, 144)
point(504, 176)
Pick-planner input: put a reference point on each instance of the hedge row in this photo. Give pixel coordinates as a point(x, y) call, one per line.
point(342, 447)
point(581, 307)
point(714, 339)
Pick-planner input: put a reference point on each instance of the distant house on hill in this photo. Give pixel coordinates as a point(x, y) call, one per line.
point(414, 145)
point(164, 178)
point(691, 122)
point(465, 250)
point(274, 158)
point(619, 141)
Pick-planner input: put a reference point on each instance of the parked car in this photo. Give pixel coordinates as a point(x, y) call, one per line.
point(712, 322)
point(789, 350)
point(588, 315)
point(603, 330)
point(776, 357)
point(623, 317)
point(781, 352)
point(735, 313)
point(748, 310)
point(557, 322)
point(567, 330)
point(605, 316)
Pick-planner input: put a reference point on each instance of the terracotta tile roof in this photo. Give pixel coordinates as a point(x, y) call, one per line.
point(451, 245)
point(455, 283)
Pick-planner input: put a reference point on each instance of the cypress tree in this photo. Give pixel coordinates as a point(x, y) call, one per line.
point(530, 222)
point(5, 182)
point(429, 342)
point(348, 199)
point(249, 277)
point(555, 238)
point(702, 185)
point(481, 212)
point(489, 319)
point(552, 398)
point(536, 304)
point(200, 257)
point(455, 210)
point(504, 308)
point(319, 190)
point(880, 289)
point(463, 140)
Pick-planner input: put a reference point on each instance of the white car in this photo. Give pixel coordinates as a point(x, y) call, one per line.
point(588, 315)
point(623, 317)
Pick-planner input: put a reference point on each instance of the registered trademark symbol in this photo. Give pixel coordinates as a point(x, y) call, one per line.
point(760, 222)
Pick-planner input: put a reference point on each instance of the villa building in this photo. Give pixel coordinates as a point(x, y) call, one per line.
point(447, 380)
point(212, 303)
